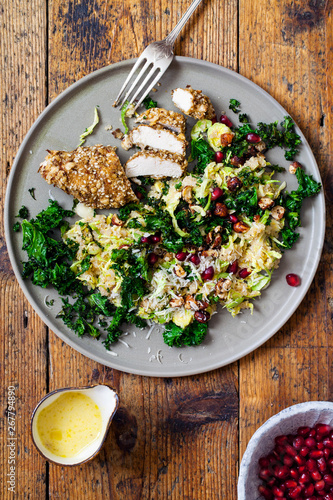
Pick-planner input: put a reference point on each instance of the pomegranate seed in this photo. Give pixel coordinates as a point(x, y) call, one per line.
point(195, 259)
point(312, 433)
point(208, 273)
point(233, 218)
point(290, 483)
point(328, 478)
point(330, 463)
point(294, 474)
point(216, 193)
point(320, 485)
point(303, 431)
point(244, 273)
point(311, 464)
point(271, 481)
point(281, 472)
point(224, 119)
point(329, 496)
point(145, 239)
point(328, 443)
point(304, 478)
point(300, 460)
point(181, 256)
point(290, 450)
point(327, 453)
point(277, 491)
point(155, 239)
point(252, 138)
point(139, 195)
point(214, 120)
point(288, 460)
point(152, 259)
point(233, 267)
point(302, 469)
point(323, 429)
point(320, 445)
point(219, 156)
point(315, 474)
point(298, 442)
point(265, 492)
point(293, 279)
point(322, 464)
point(309, 490)
point(316, 454)
point(304, 451)
point(295, 492)
point(310, 442)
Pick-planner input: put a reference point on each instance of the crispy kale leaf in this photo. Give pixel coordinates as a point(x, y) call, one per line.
point(201, 151)
point(193, 334)
point(149, 103)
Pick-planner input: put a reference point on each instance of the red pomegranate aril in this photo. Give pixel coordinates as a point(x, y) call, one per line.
point(304, 451)
point(315, 474)
point(281, 472)
point(312, 433)
point(288, 460)
point(265, 492)
point(300, 460)
point(298, 442)
point(294, 474)
point(293, 279)
point(322, 464)
point(319, 485)
point(208, 273)
point(311, 464)
point(290, 450)
point(328, 478)
point(323, 429)
point(309, 490)
point(216, 193)
point(252, 138)
point(278, 492)
point(233, 218)
point(310, 442)
point(320, 445)
point(155, 239)
point(181, 256)
point(152, 259)
point(328, 443)
point(145, 239)
point(224, 119)
point(219, 156)
point(195, 259)
point(233, 267)
point(271, 481)
point(303, 431)
point(304, 478)
point(244, 273)
point(330, 463)
point(316, 454)
point(327, 453)
point(295, 492)
point(329, 496)
point(302, 469)
point(290, 483)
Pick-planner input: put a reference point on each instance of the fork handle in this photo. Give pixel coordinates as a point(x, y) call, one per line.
point(171, 37)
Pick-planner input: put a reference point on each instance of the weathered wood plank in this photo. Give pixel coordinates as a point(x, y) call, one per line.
point(287, 49)
point(174, 438)
point(23, 335)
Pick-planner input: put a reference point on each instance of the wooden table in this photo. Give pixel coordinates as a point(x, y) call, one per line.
point(180, 438)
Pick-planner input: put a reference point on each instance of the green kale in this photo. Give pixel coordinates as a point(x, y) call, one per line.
point(23, 213)
point(32, 192)
point(193, 334)
point(244, 202)
point(149, 103)
point(243, 118)
point(285, 138)
point(16, 227)
point(201, 151)
point(234, 105)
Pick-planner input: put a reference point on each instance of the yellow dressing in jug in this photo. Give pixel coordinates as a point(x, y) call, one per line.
point(69, 424)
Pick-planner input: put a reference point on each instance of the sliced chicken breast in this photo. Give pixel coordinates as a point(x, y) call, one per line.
point(156, 137)
point(156, 164)
point(193, 103)
point(165, 118)
point(92, 175)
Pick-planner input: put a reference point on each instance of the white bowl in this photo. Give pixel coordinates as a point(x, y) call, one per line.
point(262, 441)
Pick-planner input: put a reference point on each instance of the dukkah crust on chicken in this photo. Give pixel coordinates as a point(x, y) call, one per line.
point(156, 164)
point(165, 118)
point(157, 137)
point(193, 103)
point(93, 175)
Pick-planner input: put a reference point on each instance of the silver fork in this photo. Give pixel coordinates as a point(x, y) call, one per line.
point(153, 62)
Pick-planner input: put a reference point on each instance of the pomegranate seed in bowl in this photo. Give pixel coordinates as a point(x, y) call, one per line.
point(253, 138)
point(224, 119)
point(219, 156)
point(293, 279)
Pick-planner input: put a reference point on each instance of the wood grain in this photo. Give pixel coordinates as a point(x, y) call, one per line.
point(179, 438)
point(23, 334)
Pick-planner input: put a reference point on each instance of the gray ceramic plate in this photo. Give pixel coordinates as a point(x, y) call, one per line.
point(144, 352)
